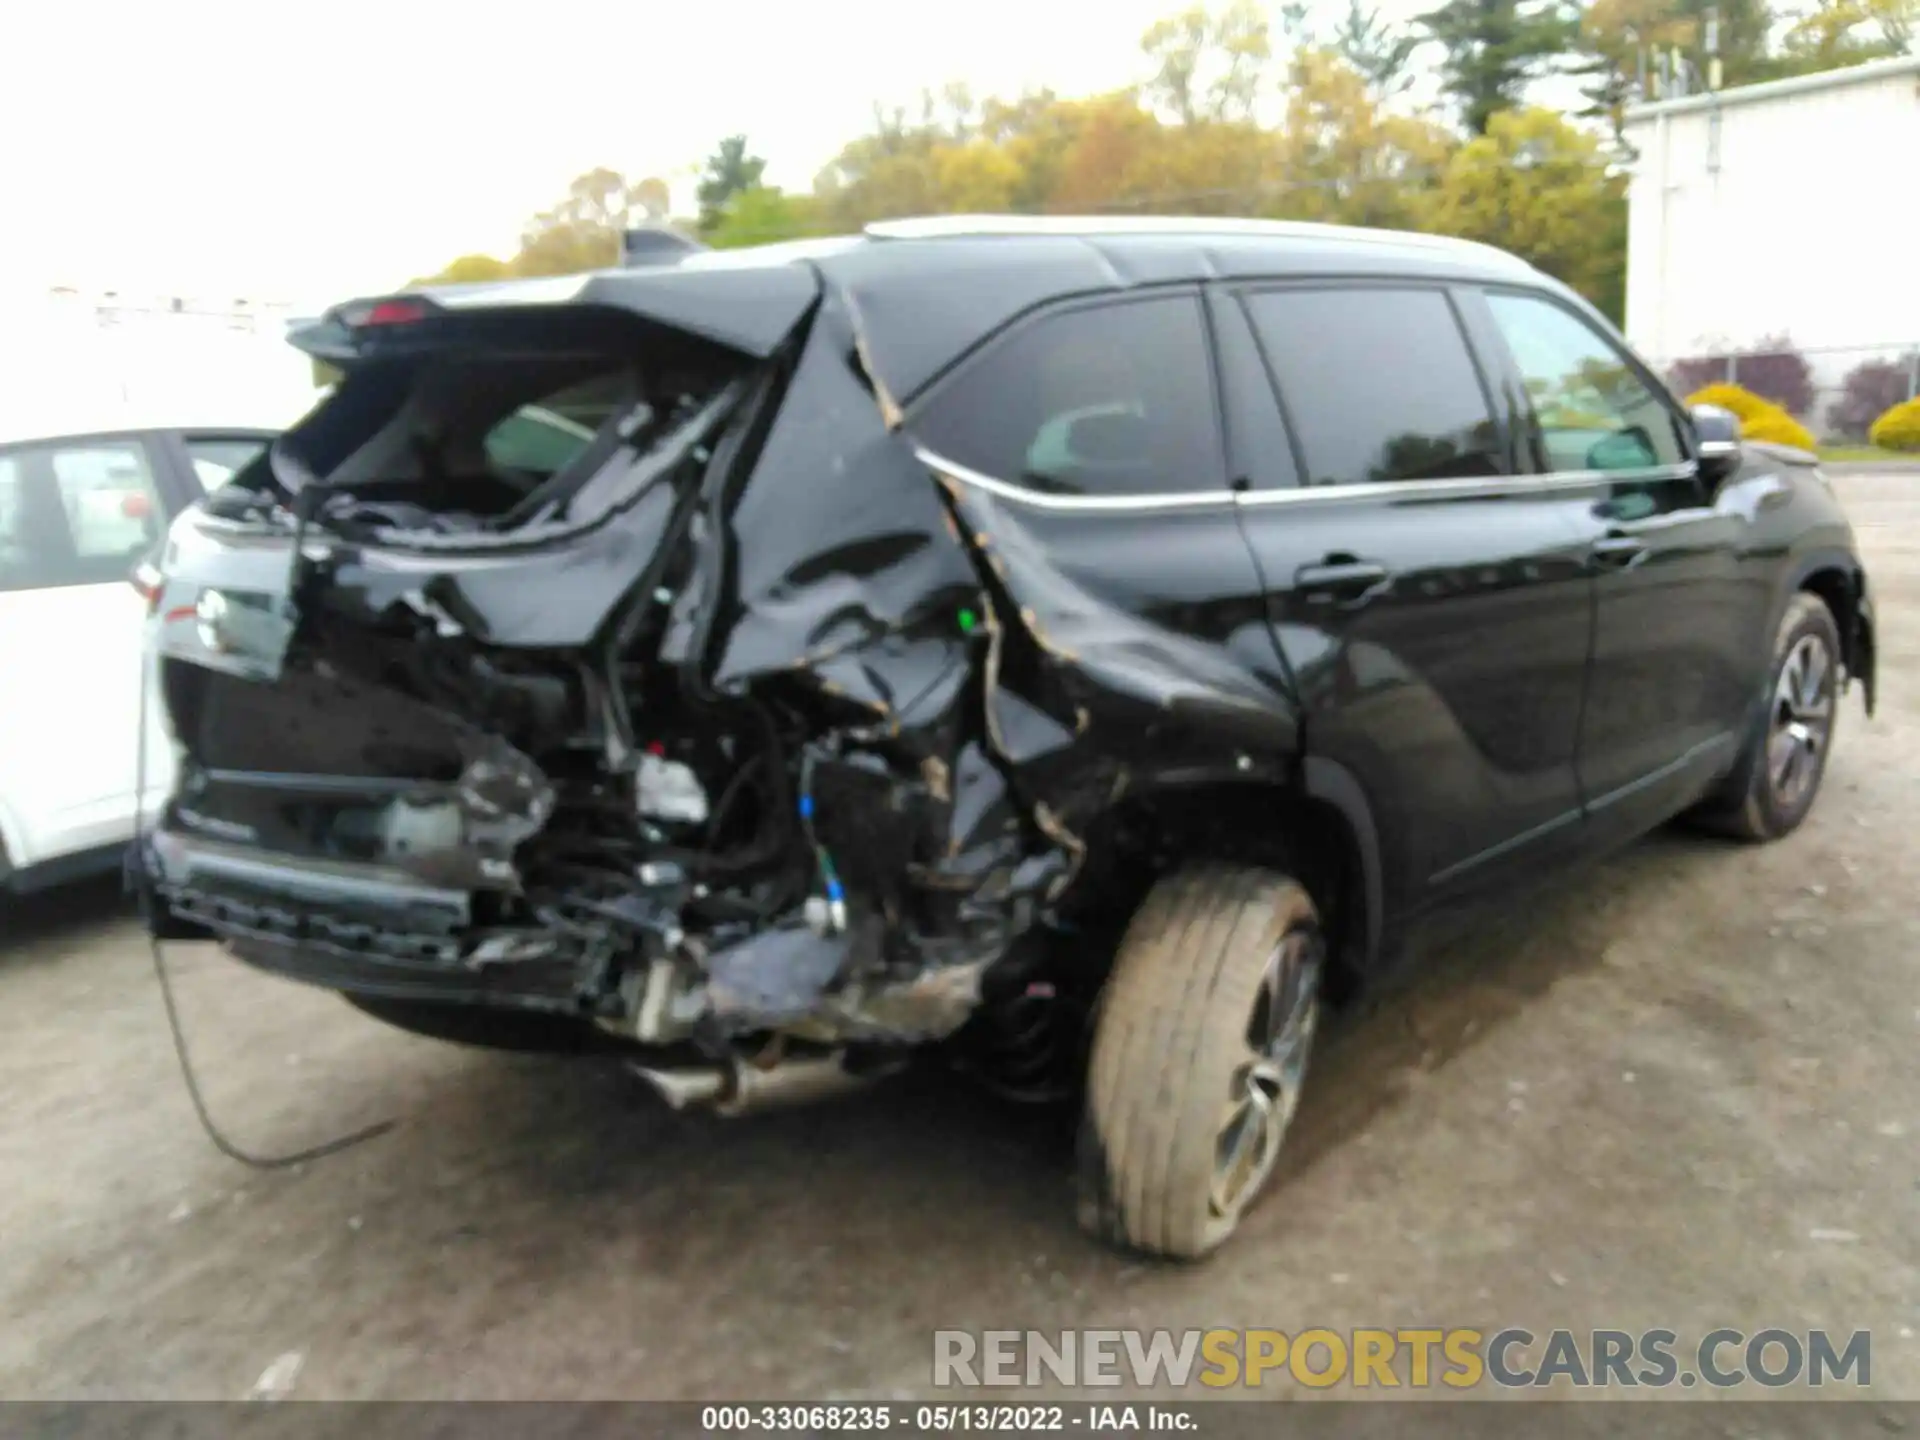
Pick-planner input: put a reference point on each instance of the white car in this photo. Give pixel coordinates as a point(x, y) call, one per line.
point(77, 514)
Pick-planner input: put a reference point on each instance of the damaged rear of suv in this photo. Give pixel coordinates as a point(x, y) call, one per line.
point(770, 664)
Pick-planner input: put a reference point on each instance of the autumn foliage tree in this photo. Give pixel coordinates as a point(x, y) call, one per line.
point(1540, 187)
point(582, 231)
point(1262, 109)
point(1346, 158)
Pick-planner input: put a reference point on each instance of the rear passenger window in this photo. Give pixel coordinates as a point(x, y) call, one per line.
point(1113, 400)
point(75, 514)
point(1378, 385)
point(1593, 411)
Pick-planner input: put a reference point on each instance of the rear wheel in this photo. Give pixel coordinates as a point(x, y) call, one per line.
point(1786, 757)
point(1199, 1054)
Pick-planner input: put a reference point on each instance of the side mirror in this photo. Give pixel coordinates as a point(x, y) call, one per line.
point(1718, 431)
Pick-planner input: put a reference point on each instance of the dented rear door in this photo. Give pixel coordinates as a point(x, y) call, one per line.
point(1083, 454)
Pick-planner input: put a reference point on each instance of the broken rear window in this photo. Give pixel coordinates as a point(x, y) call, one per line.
point(499, 422)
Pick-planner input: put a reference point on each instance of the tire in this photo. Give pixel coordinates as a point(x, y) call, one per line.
point(1768, 801)
point(1212, 956)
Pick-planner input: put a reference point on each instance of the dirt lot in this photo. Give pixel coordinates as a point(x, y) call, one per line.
point(1682, 1090)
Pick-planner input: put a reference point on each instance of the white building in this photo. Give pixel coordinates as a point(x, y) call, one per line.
point(1788, 208)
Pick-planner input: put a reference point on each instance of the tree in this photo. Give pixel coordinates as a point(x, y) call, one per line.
point(1208, 65)
point(583, 232)
point(1033, 132)
point(1623, 42)
point(1871, 388)
point(1745, 26)
point(1537, 186)
point(977, 177)
point(730, 169)
point(1378, 52)
point(879, 176)
point(1493, 48)
point(467, 270)
point(1617, 37)
point(1111, 147)
point(762, 214)
point(652, 198)
point(1831, 34)
point(1344, 158)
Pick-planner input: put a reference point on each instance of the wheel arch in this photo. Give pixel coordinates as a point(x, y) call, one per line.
point(1318, 827)
point(1837, 578)
point(1334, 787)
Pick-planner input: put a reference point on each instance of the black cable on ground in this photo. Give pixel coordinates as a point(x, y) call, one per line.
point(220, 1141)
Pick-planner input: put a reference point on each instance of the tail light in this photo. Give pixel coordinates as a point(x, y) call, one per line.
point(150, 583)
point(395, 312)
point(402, 310)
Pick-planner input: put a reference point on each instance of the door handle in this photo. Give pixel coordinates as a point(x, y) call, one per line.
point(1349, 582)
point(1617, 552)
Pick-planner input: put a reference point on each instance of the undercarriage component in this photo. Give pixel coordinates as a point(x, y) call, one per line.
point(738, 1086)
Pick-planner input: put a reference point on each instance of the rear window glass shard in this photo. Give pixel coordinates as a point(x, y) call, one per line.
point(1114, 399)
point(494, 431)
point(1378, 383)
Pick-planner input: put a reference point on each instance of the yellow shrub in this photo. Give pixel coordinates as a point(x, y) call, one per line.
point(1738, 399)
point(1777, 427)
point(1759, 419)
point(1899, 428)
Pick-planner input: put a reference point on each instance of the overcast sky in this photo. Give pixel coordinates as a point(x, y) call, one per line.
point(307, 152)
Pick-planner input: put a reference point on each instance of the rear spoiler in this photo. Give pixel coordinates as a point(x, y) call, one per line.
point(745, 307)
point(338, 337)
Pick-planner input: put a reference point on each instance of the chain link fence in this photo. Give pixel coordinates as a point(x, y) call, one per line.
point(1836, 392)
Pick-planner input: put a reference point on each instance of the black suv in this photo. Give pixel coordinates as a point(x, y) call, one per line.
point(1079, 646)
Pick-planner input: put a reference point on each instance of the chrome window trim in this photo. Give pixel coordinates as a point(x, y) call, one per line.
point(1468, 487)
point(1040, 500)
point(1492, 486)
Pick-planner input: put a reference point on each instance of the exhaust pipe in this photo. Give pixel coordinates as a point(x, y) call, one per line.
point(736, 1088)
point(686, 1089)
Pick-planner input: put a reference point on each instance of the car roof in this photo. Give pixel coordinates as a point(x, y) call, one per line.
point(924, 291)
point(1116, 231)
point(23, 432)
point(928, 290)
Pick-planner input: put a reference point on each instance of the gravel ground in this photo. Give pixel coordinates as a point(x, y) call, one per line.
point(1681, 1090)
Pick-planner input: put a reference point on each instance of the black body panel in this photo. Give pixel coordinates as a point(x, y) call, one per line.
point(943, 685)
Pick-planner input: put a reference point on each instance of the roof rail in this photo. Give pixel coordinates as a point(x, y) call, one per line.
point(934, 227)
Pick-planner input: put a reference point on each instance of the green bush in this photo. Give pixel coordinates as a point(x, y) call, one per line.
point(1899, 428)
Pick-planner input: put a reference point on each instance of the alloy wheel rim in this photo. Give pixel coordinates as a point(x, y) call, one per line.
point(1802, 720)
point(1265, 1089)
